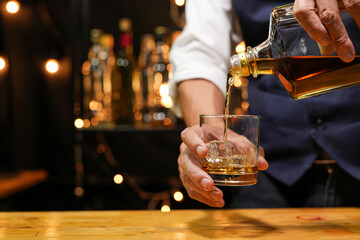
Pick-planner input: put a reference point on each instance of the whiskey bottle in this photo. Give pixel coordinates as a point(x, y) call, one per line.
point(296, 59)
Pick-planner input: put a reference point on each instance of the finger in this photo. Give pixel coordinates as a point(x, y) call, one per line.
point(304, 12)
point(190, 166)
point(210, 194)
point(353, 7)
point(329, 15)
point(193, 141)
point(215, 194)
point(263, 164)
point(195, 195)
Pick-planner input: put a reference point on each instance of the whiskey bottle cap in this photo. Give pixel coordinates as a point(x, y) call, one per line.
point(244, 64)
point(240, 63)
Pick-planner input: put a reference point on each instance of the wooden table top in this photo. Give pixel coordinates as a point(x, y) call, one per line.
point(288, 224)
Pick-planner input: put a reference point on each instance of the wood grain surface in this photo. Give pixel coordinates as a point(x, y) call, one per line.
point(288, 224)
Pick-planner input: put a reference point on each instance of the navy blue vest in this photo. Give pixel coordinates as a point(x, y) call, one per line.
point(293, 132)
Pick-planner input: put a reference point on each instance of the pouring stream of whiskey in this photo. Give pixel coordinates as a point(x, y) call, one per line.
point(226, 112)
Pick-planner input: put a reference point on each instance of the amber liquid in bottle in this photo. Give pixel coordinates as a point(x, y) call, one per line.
point(308, 76)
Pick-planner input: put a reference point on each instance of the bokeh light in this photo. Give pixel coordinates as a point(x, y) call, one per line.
point(165, 208)
point(86, 123)
point(118, 178)
point(13, 6)
point(79, 123)
point(241, 47)
point(178, 196)
point(237, 82)
point(52, 66)
point(166, 101)
point(180, 2)
point(164, 90)
point(2, 63)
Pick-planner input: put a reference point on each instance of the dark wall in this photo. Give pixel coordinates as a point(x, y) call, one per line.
point(36, 109)
point(37, 116)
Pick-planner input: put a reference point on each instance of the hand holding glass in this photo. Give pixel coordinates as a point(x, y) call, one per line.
point(233, 148)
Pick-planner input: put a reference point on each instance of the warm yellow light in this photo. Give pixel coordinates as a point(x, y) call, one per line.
point(237, 82)
point(85, 68)
point(238, 111)
point(245, 105)
point(158, 78)
point(118, 179)
point(138, 116)
point(178, 196)
point(94, 121)
point(166, 101)
point(244, 94)
point(12, 6)
point(241, 47)
point(79, 123)
point(86, 123)
point(167, 121)
point(2, 63)
point(165, 208)
point(94, 106)
point(164, 90)
point(180, 2)
point(52, 66)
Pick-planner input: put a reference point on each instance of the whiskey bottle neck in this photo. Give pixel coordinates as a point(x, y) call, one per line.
point(255, 61)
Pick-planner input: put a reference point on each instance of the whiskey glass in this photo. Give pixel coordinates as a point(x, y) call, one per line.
point(233, 148)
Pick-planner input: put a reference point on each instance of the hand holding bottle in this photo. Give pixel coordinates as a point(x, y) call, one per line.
point(197, 182)
point(325, 25)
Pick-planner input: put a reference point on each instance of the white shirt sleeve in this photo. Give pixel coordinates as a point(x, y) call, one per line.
point(204, 46)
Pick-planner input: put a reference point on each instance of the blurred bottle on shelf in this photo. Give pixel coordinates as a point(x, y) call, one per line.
point(117, 89)
point(147, 73)
point(122, 77)
point(138, 98)
point(92, 80)
point(158, 100)
point(107, 63)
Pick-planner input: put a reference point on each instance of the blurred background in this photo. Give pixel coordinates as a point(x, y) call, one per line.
point(85, 120)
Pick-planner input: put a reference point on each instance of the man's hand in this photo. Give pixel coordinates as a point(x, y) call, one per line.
point(197, 182)
point(325, 25)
